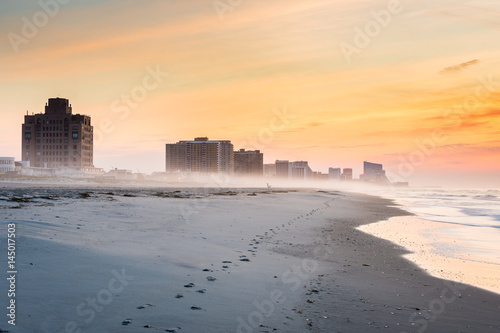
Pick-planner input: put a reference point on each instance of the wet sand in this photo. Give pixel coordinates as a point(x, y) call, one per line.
point(369, 286)
point(231, 260)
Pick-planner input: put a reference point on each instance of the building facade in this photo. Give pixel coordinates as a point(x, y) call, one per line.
point(7, 164)
point(374, 172)
point(334, 173)
point(200, 156)
point(346, 174)
point(58, 138)
point(301, 170)
point(283, 169)
point(270, 170)
point(248, 162)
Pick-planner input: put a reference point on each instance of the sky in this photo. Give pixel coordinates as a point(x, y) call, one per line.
point(411, 84)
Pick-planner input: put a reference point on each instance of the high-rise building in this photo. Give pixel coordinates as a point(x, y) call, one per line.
point(248, 162)
point(58, 138)
point(346, 174)
point(334, 173)
point(270, 170)
point(200, 156)
point(373, 172)
point(301, 170)
point(283, 169)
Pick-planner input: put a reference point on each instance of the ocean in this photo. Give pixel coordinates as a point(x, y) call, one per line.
point(468, 219)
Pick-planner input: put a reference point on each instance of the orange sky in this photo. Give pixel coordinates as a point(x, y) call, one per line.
point(229, 73)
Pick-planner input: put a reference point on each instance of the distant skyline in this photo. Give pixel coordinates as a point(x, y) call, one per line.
point(359, 80)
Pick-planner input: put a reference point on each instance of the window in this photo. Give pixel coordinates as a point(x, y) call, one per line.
point(66, 121)
point(74, 146)
point(27, 146)
point(75, 128)
point(37, 135)
point(27, 153)
point(27, 135)
point(38, 147)
point(65, 140)
point(37, 140)
point(65, 153)
point(75, 135)
point(28, 128)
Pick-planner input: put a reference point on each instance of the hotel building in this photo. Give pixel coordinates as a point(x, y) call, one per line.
point(57, 138)
point(248, 162)
point(200, 156)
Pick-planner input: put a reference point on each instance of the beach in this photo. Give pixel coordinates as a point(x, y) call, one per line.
point(98, 259)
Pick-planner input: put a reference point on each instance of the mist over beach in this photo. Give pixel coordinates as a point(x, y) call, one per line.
point(250, 166)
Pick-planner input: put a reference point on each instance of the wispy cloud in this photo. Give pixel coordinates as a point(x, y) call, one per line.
point(458, 68)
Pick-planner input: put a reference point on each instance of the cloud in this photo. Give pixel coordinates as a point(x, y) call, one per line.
point(357, 146)
point(458, 68)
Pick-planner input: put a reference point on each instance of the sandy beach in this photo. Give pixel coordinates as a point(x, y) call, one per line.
point(222, 260)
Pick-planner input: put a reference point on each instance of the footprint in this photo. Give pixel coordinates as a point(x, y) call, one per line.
point(189, 285)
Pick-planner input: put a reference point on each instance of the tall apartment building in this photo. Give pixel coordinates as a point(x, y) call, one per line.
point(283, 169)
point(346, 174)
point(301, 170)
point(248, 162)
point(200, 156)
point(270, 170)
point(374, 172)
point(334, 173)
point(57, 138)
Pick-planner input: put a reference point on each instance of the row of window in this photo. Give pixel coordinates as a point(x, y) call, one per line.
point(52, 128)
point(28, 147)
point(6, 162)
point(54, 159)
point(52, 140)
point(53, 122)
point(50, 153)
point(27, 135)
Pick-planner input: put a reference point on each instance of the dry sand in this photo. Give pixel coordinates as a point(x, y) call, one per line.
point(224, 261)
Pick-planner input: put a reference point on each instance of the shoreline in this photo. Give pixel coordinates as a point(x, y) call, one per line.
point(284, 261)
point(371, 285)
point(424, 234)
